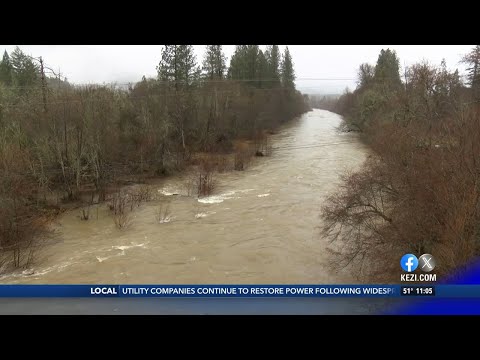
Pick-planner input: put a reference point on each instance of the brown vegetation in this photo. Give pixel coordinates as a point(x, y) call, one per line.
point(243, 153)
point(122, 219)
point(419, 191)
point(122, 203)
point(23, 220)
point(206, 178)
point(162, 213)
point(58, 137)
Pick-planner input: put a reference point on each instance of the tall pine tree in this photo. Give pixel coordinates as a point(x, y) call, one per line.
point(244, 63)
point(387, 71)
point(178, 65)
point(262, 70)
point(272, 55)
point(214, 62)
point(237, 68)
point(287, 72)
point(6, 70)
point(251, 63)
point(25, 72)
point(472, 59)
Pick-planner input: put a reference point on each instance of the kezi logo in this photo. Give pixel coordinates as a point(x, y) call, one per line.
point(409, 262)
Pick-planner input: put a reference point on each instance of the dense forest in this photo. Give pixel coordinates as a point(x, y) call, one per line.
point(61, 138)
point(419, 191)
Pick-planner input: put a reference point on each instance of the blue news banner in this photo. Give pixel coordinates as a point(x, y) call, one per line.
point(240, 291)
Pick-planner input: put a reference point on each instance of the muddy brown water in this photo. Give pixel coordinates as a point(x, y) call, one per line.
point(259, 227)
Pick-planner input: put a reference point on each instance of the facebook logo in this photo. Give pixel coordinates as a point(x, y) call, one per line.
point(409, 262)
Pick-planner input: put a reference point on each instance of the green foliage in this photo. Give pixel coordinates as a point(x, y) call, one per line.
point(6, 70)
point(387, 71)
point(272, 54)
point(244, 63)
point(178, 65)
point(366, 74)
point(214, 63)
point(472, 59)
point(288, 73)
point(429, 94)
point(369, 103)
point(261, 70)
point(255, 67)
point(26, 72)
point(236, 68)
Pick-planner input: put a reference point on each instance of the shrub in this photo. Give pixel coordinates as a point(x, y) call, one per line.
point(162, 213)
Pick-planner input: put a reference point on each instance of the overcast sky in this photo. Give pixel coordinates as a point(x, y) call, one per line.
point(319, 68)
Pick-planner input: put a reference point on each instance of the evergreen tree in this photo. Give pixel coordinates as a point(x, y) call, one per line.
point(214, 62)
point(188, 64)
point(244, 63)
point(366, 73)
point(6, 69)
point(287, 72)
point(262, 69)
point(472, 60)
point(251, 62)
point(387, 70)
point(167, 68)
point(236, 70)
point(25, 71)
point(178, 65)
point(272, 55)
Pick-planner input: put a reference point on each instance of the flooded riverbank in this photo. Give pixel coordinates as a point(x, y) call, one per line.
point(259, 226)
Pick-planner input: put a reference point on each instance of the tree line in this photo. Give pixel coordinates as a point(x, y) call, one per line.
point(419, 190)
point(325, 102)
point(61, 138)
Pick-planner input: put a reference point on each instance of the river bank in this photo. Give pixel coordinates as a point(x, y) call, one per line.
point(259, 226)
point(128, 186)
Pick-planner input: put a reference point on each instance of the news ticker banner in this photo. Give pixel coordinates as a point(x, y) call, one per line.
point(239, 291)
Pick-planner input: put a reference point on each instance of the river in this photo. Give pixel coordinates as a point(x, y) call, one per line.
point(259, 227)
